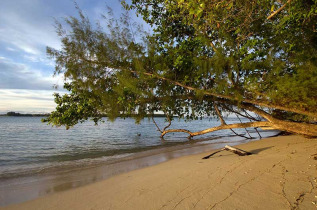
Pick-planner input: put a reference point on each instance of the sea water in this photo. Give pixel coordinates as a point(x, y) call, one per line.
point(28, 146)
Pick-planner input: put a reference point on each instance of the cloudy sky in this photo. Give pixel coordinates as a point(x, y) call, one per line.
point(26, 29)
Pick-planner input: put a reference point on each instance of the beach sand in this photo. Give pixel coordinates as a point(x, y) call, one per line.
point(281, 174)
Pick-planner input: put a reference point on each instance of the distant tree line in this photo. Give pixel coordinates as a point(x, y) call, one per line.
point(25, 115)
point(47, 114)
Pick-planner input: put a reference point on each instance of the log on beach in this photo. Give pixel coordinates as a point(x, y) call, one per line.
point(235, 150)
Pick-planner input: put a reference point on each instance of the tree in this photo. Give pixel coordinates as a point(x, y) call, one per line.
point(204, 58)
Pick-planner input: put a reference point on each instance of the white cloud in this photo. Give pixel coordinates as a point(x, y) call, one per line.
point(26, 101)
point(27, 28)
point(21, 76)
point(11, 49)
point(39, 59)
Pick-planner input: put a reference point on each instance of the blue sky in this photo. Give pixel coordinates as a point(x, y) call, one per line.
point(26, 29)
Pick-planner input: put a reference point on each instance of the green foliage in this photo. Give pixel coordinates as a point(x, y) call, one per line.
point(73, 108)
point(227, 48)
point(252, 57)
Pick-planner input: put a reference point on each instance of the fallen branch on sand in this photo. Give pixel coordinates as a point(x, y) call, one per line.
point(235, 150)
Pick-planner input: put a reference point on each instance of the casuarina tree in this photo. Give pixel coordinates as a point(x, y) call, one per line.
point(202, 58)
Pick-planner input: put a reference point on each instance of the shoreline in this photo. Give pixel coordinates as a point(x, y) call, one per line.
point(32, 186)
point(280, 175)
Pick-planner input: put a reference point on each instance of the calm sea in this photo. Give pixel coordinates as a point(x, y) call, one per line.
point(28, 146)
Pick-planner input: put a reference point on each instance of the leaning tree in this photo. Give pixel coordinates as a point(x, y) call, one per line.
point(203, 58)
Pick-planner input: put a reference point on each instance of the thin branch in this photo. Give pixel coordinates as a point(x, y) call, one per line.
point(158, 128)
point(248, 117)
point(243, 136)
point(244, 128)
point(258, 132)
point(224, 123)
point(277, 11)
point(219, 115)
point(251, 117)
point(213, 47)
point(169, 123)
point(259, 117)
point(256, 120)
point(236, 112)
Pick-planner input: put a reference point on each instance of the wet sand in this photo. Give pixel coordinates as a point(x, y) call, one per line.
point(28, 187)
point(281, 174)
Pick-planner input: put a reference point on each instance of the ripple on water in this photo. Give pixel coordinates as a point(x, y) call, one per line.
point(28, 146)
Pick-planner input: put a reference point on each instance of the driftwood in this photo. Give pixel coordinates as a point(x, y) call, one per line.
point(235, 150)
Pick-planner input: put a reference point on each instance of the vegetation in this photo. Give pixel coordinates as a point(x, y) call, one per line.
point(204, 58)
point(17, 114)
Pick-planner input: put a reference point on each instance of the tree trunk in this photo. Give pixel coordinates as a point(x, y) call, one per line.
point(283, 125)
point(292, 127)
point(221, 127)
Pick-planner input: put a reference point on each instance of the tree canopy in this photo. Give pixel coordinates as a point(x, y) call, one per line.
point(203, 58)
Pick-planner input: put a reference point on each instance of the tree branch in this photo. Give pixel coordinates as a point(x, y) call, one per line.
point(219, 115)
point(259, 103)
point(224, 123)
point(158, 128)
point(277, 11)
point(293, 127)
point(221, 127)
point(213, 47)
point(244, 128)
point(242, 115)
point(169, 123)
point(235, 98)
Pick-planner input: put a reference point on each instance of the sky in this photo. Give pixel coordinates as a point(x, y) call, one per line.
point(26, 29)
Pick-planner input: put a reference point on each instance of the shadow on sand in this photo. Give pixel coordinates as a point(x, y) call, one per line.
point(257, 151)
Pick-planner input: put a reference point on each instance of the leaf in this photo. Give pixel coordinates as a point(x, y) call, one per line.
point(230, 5)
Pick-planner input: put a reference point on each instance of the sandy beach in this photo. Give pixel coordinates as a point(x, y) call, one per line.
point(281, 174)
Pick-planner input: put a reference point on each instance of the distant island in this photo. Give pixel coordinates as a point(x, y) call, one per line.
point(17, 114)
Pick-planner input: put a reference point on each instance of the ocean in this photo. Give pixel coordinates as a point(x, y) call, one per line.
point(28, 146)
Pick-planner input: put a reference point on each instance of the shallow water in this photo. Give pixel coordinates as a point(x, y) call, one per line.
point(29, 146)
point(37, 159)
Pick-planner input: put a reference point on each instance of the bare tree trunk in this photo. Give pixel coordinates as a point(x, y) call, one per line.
point(283, 125)
point(221, 127)
point(301, 128)
point(292, 127)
